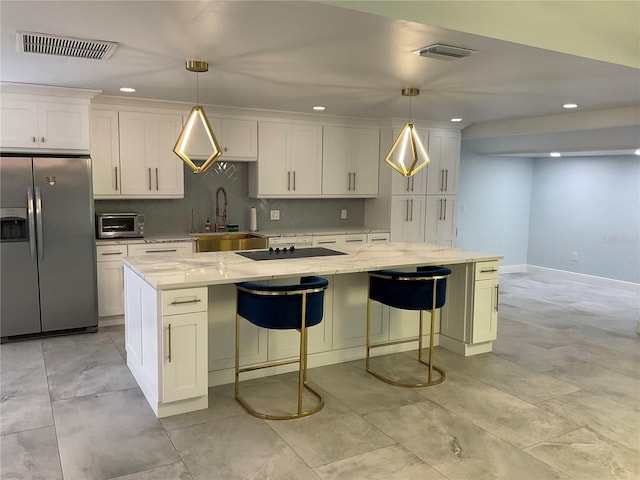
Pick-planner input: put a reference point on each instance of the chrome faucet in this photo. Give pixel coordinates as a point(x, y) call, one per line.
point(221, 221)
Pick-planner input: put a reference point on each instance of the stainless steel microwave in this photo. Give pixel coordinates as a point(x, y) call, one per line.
point(119, 225)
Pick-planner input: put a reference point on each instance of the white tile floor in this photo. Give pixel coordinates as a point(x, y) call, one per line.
point(559, 398)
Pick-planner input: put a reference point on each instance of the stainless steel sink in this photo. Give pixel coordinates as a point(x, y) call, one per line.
point(225, 242)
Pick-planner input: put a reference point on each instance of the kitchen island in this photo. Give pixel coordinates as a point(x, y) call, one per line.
point(180, 314)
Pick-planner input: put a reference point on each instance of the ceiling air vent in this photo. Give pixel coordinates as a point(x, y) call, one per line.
point(32, 42)
point(444, 52)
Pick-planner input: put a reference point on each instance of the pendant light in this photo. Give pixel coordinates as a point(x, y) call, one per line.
point(197, 114)
point(407, 154)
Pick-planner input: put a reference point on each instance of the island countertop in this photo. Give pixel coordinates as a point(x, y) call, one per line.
point(215, 268)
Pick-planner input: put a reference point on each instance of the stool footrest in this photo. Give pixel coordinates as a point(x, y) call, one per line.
point(391, 381)
point(267, 365)
point(300, 413)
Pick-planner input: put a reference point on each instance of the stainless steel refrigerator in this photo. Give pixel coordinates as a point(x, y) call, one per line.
point(47, 246)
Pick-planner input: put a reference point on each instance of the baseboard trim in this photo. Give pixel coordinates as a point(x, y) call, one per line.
point(111, 321)
point(513, 268)
point(591, 279)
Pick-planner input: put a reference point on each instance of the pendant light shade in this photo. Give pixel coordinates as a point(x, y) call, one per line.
point(408, 154)
point(197, 115)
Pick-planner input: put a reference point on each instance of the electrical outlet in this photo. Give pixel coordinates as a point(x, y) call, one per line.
point(343, 214)
point(275, 214)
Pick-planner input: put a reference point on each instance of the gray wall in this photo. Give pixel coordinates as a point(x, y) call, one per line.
point(540, 211)
point(494, 196)
point(591, 206)
point(174, 216)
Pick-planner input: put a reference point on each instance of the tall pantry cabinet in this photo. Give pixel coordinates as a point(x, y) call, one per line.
point(421, 208)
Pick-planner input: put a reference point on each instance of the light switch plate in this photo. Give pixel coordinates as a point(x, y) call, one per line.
point(275, 214)
point(343, 214)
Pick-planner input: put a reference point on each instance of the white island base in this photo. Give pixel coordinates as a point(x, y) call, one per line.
point(180, 315)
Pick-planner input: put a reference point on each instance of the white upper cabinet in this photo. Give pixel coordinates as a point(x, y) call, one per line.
point(416, 184)
point(290, 161)
point(30, 122)
point(238, 140)
point(149, 167)
point(444, 151)
point(105, 153)
point(441, 220)
point(350, 158)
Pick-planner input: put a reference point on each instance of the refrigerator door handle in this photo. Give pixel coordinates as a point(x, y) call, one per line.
point(40, 240)
point(32, 224)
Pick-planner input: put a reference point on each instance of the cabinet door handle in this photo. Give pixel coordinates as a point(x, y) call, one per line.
point(169, 343)
point(161, 251)
point(408, 184)
point(497, 296)
point(42, 139)
point(294, 180)
point(381, 239)
point(444, 210)
point(184, 302)
point(354, 181)
point(149, 179)
point(413, 183)
point(288, 181)
point(157, 183)
point(111, 253)
point(412, 209)
point(34, 139)
point(349, 181)
point(354, 240)
point(116, 177)
point(489, 270)
point(406, 218)
point(324, 242)
point(446, 180)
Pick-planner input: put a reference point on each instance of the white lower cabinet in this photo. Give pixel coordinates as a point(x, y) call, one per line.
point(222, 328)
point(166, 342)
point(184, 344)
point(110, 279)
point(350, 303)
point(109, 271)
point(484, 326)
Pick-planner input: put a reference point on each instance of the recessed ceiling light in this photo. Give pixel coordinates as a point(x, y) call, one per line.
point(555, 154)
point(570, 105)
point(127, 89)
point(637, 152)
point(319, 108)
point(456, 119)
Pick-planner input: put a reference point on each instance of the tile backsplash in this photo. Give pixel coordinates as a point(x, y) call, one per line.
point(175, 216)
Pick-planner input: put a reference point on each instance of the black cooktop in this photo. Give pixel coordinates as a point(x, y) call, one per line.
point(291, 252)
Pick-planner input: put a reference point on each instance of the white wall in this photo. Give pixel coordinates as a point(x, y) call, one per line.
point(591, 206)
point(494, 196)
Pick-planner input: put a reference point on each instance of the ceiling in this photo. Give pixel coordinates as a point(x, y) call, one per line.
point(290, 56)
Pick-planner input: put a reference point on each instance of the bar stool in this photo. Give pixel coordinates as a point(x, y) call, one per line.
point(424, 289)
point(282, 307)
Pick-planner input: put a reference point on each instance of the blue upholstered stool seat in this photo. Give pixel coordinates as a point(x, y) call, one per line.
point(282, 307)
point(423, 289)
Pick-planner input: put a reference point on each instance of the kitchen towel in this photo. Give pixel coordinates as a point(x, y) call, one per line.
point(253, 220)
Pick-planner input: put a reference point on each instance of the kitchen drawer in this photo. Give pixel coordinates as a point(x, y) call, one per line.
point(486, 270)
point(160, 248)
point(185, 300)
point(110, 253)
point(326, 240)
point(357, 238)
point(378, 237)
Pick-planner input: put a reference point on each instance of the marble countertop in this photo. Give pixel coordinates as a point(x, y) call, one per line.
point(293, 232)
point(214, 268)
